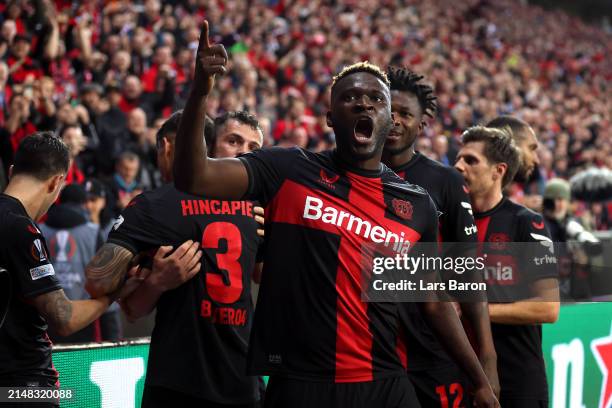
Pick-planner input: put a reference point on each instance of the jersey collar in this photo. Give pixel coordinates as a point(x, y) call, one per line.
point(492, 210)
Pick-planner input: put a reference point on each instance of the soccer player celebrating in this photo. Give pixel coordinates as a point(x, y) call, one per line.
point(320, 343)
point(36, 297)
point(435, 376)
point(488, 161)
point(199, 343)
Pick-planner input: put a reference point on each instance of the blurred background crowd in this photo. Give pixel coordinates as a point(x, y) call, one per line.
point(104, 74)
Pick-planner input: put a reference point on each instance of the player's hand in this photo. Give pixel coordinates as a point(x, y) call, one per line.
point(490, 369)
point(171, 271)
point(210, 61)
point(484, 398)
point(135, 276)
point(259, 218)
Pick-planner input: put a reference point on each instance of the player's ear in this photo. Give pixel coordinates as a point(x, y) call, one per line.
point(329, 119)
point(500, 170)
point(55, 183)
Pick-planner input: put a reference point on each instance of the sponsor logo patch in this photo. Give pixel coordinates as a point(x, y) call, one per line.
point(42, 271)
point(327, 180)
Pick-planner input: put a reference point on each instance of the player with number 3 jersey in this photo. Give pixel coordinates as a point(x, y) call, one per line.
point(199, 343)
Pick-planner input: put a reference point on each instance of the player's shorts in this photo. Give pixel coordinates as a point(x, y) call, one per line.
point(445, 387)
point(396, 392)
point(522, 403)
point(160, 397)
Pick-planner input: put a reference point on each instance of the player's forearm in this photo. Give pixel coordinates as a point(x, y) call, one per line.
point(86, 312)
point(524, 312)
point(190, 150)
point(142, 301)
point(445, 323)
point(476, 314)
point(66, 316)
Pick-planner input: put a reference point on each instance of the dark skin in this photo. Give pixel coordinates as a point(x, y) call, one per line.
point(399, 150)
point(360, 97)
point(355, 97)
point(408, 124)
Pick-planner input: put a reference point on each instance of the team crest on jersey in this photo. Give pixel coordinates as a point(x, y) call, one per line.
point(499, 240)
point(402, 208)
point(327, 180)
point(37, 250)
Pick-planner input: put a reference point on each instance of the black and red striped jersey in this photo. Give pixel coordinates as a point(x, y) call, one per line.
point(310, 322)
point(456, 224)
point(200, 340)
point(508, 273)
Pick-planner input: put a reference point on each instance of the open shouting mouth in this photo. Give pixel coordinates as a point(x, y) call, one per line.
point(364, 127)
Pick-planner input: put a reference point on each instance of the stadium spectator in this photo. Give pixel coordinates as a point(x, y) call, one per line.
point(73, 241)
point(124, 185)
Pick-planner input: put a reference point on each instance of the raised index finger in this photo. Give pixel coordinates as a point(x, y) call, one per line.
point(204, 43)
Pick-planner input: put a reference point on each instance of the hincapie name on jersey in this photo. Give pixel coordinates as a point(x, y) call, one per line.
point(216, 207)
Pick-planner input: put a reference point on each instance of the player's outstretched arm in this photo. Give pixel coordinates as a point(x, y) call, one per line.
point(169, 272)
point(476, 315)
point(66, 316)
point(194, 172)
point(445, 323)
point(542, 308)
point(107, 269)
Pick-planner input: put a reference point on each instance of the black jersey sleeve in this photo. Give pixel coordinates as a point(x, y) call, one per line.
point(457, 220)
point(135, 229)
point(28, 260)
point(267, 169)
point(539, 254)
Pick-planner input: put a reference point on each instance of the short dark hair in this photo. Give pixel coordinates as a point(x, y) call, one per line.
point(363, 66)
point(170, 127)
point(41, 155)
point(242, 117)
point(499, 148)
point(516, 125)
point(404, 80)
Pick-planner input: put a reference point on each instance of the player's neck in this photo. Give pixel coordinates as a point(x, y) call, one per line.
point(28, 194)
point(371, 164)
point(400, 159)
point(484, 202)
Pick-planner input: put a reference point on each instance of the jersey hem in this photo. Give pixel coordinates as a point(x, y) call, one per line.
point(42, 291)
point(182, 390)
point(123, 244)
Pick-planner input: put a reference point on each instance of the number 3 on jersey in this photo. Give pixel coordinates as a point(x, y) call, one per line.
point(227, 261)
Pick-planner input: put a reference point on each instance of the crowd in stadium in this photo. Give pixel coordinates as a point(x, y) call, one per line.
point(103, 108)
point(117, 69)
